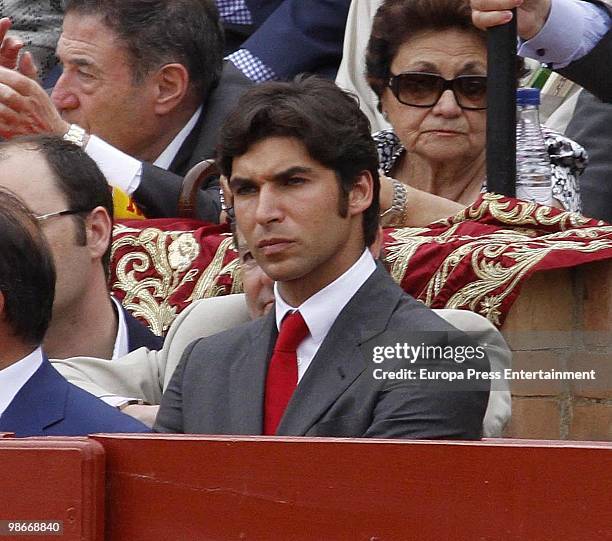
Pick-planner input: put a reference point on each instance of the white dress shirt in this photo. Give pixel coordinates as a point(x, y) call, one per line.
point(572, 29)
point(122, 341)
point(14, 377)
point(321, 310)
point(122, 346)
point(125, 171)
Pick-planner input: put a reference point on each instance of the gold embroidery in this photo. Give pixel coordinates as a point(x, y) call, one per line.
point(400, 252)
point(498, 260)
point(521, 213)
point(148, 298)
point(182, 252)
point(517, 248)
point(207, 284)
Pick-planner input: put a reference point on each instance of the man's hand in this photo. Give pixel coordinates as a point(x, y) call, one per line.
point(25, 108)
point(145, 414)
point(9, 52)
point(532, 14)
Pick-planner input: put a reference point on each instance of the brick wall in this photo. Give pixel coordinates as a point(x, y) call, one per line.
point(563, 320)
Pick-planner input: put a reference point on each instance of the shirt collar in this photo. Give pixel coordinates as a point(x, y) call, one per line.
point(165, 158)
point(14, 377)
point(321, 310)
point(122, 345)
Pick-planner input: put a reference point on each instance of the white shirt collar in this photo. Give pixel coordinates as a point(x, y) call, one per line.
point(321, 310)
point(165, 158)
point(14, 377)
point(122, 345)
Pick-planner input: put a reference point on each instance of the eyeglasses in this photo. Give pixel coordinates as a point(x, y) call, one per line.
point(68, 212)
point(424, 89)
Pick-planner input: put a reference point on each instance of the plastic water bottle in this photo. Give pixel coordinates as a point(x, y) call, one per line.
point(533, 176)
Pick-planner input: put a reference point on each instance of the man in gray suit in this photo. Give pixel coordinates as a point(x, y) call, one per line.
point(144, 374)
point(303, 172)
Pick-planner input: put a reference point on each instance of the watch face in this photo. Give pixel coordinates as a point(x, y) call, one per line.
point(75, 135)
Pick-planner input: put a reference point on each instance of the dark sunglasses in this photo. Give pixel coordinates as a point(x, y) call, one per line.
point(424, 89)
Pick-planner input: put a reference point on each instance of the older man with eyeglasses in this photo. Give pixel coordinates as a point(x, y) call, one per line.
point(72, 202)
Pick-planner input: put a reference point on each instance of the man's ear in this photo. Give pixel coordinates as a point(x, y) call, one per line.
point(98, 230)
point(361, 194)
point(171, 86)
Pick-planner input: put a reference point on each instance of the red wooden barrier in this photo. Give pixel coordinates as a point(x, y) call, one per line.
point(180, 488)
point(55, 480)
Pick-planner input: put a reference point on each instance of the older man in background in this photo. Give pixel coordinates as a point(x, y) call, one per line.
point(144, 90)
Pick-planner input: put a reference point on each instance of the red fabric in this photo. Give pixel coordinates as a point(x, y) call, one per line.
point(158, 267)
point(282, 377)
point(476, 260)
point(479, 259)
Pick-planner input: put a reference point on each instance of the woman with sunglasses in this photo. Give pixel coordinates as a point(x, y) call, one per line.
point(427, 64)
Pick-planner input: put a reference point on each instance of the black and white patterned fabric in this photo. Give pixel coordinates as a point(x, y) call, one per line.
point(567, 161)
point(38, 25)
point(251, 66)
point(234, 11)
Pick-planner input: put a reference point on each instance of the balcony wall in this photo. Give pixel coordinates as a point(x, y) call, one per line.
point(563, 320)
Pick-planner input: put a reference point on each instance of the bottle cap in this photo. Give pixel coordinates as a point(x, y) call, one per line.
point(528, 96)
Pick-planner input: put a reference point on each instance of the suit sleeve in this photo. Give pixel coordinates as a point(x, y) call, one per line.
point(313, 30)
point(170, 415)
point(420, 409)
point(591, 71)
point(137, 375)
point(159, 190)
point(485, 334)
point(591, 126)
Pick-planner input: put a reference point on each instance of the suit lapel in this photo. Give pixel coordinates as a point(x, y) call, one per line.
point(248, 378)
point(220, 101)
point(39, 404)
point(181, 162)
point(339, 360)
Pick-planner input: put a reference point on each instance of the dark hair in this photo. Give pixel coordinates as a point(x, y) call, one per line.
point(27, 274)
point(397, 20)
point(157, 32)
point(323, 117)
point(76, 175)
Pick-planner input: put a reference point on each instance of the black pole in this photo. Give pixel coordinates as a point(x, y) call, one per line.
point(501, 108)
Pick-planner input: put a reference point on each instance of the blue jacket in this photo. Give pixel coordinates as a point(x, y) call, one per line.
point(296, 36)
point(47, 405)
point(139, 335)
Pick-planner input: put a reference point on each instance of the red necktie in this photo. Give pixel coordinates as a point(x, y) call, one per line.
point(282, 371)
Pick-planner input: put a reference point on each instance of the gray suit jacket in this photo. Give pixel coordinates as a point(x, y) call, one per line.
point(592, 70)
point(591, 126)
point(218, 387)
point(145, 373)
